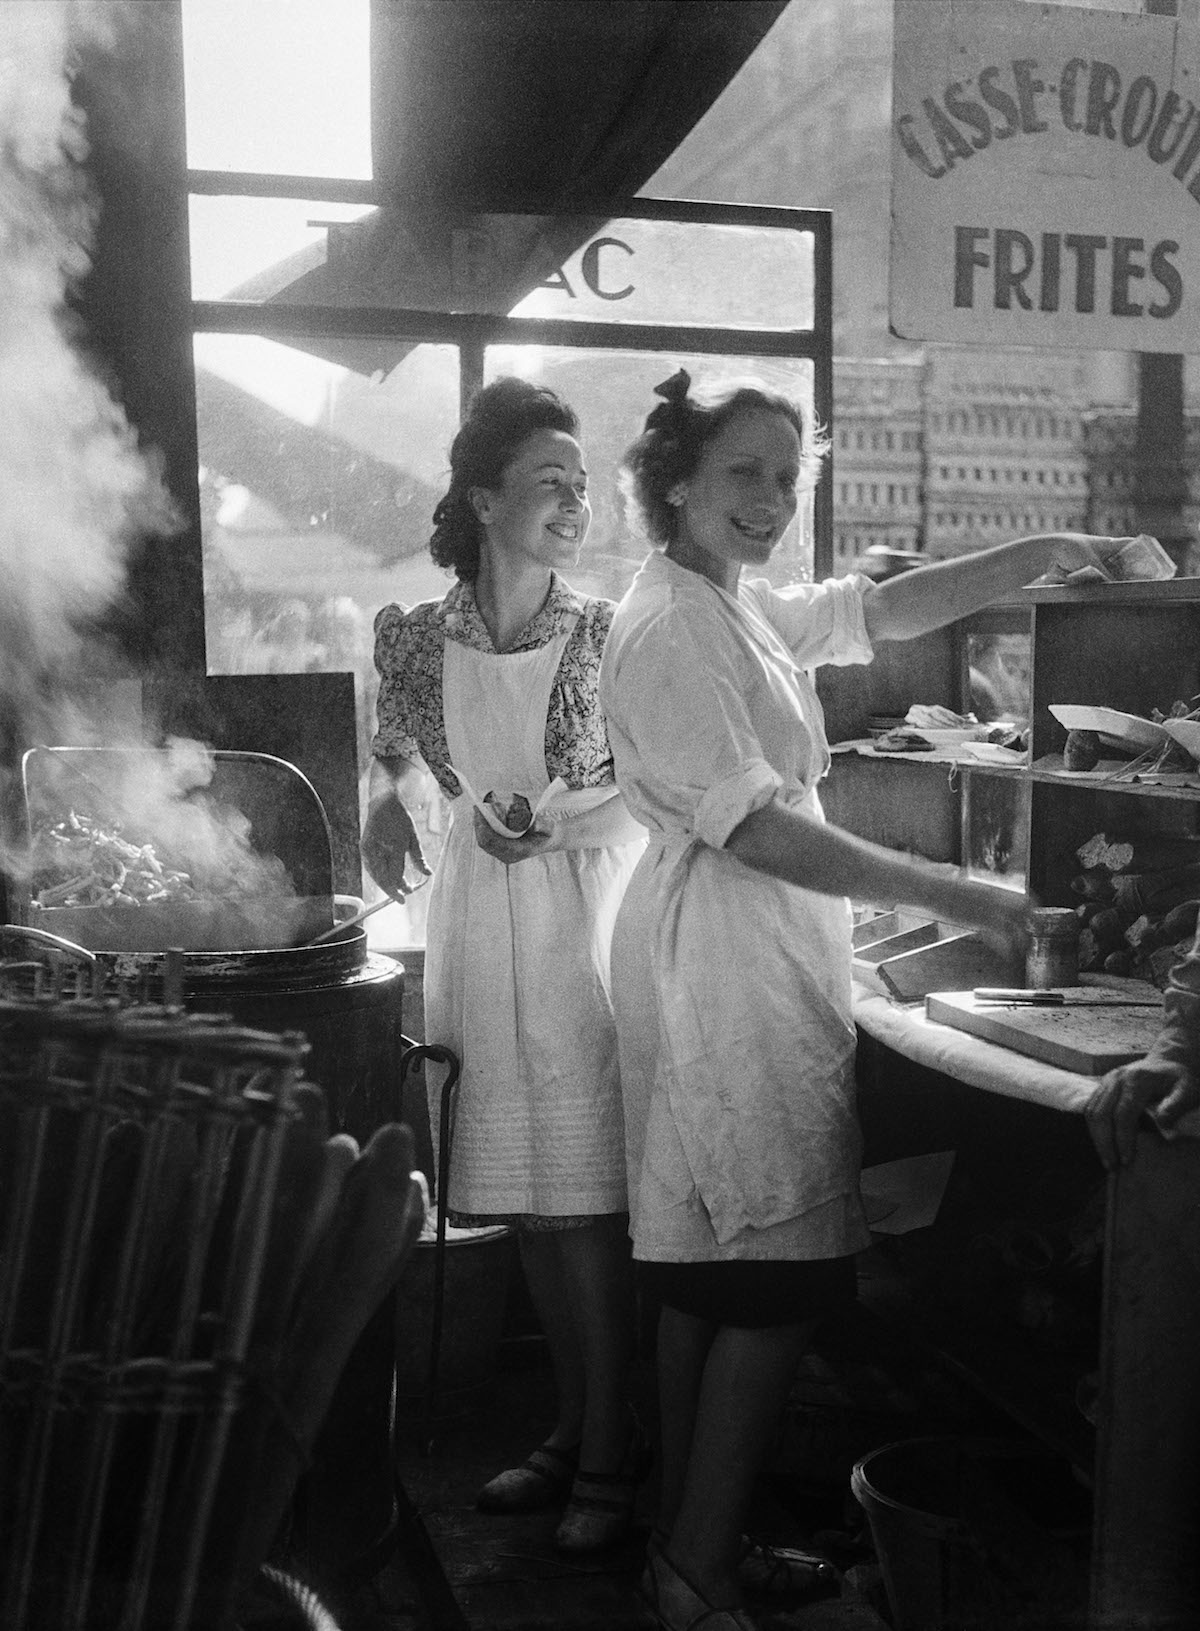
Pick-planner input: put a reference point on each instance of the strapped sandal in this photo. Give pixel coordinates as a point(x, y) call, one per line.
point(784, 1571)
point(599, 1514)
point(542, 1480)
point(676, 1605)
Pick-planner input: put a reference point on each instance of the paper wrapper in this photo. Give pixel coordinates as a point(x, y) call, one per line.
point(559, 803)
point(1136, 560)
point(493, 820)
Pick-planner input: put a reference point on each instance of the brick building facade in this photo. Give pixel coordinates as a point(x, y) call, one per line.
point(949, 453)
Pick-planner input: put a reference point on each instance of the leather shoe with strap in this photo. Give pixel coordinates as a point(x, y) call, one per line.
point(676, 1604)
point(543, 1479)
point(767, 1570)
point(599, 1513)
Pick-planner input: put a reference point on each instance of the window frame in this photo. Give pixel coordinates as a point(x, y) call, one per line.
point(473, 332)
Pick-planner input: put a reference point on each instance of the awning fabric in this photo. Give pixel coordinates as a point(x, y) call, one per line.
point(545, 104)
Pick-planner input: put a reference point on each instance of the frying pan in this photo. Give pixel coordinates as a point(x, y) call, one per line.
point(286, 820)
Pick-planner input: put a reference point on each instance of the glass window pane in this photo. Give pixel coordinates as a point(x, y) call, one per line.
point(318, 478)
point(254, 248)
point(281, 87)
point(612, 392)
point(693, 274)
point(997, 828)
point(999, 670)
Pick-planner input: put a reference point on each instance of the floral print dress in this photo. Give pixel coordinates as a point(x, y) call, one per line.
point(517, 958)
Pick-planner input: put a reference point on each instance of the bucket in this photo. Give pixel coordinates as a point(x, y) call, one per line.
point(477, 1267)
point(957, 1552)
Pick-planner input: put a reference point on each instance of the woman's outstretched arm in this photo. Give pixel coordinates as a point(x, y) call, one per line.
point(913, 603)
point(814, 855)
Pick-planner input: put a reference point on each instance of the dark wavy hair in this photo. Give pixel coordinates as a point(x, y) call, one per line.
point(677, 431)
point(501, 417)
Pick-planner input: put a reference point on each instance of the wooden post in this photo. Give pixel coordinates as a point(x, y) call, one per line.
point(1145, 1557)
point(135, 305)
point(1160, 486)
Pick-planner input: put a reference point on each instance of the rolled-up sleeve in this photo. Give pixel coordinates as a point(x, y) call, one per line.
point(819, 622)
point(1179, 1040)
point(677, 708)
point(725, 806)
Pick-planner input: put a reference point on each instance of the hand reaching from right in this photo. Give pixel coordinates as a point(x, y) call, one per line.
point(1166, 1087)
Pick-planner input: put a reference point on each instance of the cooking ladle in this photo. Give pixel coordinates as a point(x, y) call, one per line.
point(359, 917)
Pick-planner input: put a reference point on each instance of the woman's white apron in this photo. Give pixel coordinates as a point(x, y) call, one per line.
point(517, 966)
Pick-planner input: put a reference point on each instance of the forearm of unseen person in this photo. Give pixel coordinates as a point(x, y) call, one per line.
point(1178, 1042)
point(1166, 1083)
point(793, 847)
point(929, 597)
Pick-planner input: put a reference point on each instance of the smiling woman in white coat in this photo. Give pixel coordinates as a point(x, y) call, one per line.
point(731, 956)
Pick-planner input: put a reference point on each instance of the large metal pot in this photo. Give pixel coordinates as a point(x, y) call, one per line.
point(252, 809)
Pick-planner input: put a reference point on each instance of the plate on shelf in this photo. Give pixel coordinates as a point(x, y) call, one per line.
point(948, 738)
point(1128, 731)
point(993, 753)
point(880, 724)
point(1187, 733)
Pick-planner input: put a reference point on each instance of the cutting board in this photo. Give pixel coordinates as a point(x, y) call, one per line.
point(1103, 1031)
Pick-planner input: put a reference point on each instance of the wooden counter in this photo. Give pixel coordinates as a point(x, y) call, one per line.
point(1023, 1146)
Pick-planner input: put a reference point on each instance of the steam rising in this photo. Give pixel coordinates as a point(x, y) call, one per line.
point(74, 488)
point(163, 795)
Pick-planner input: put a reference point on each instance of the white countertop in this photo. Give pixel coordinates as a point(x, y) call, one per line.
point(969, 1059)
point(904, 1028)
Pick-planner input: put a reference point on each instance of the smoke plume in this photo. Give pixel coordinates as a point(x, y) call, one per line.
point(75, 491)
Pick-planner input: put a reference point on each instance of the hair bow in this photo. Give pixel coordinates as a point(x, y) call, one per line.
point(675, 389)
point(671, 414)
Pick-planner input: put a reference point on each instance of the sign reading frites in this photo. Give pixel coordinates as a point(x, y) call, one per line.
point(1045, 176)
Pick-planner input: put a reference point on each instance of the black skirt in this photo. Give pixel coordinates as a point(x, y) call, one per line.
point(774, 1292)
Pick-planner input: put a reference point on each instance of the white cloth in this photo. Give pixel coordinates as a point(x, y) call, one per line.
point(732, 990)
point(907, 1030)
point(517, 967)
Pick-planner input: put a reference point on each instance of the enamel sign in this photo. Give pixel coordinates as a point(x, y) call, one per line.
point(1045, 176)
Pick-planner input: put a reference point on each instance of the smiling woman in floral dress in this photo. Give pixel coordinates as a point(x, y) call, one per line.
point(498, 682)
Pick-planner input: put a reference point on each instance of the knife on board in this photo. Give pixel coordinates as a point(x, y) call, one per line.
point(1033, 998)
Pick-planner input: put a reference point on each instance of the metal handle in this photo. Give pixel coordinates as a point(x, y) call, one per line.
point(43, 937)
point(349, 922)
point(442, 1056)
point(1032, 996)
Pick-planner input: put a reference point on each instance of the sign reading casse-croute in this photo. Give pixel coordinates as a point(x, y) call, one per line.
point(1045, 176)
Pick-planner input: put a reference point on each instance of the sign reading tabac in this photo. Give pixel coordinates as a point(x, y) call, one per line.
point(1045, 176)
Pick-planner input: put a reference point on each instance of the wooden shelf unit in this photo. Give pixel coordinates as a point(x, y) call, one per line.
point(1134, 647)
